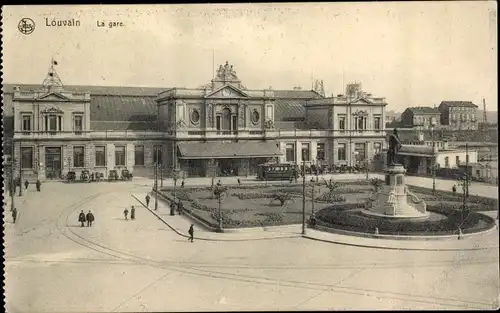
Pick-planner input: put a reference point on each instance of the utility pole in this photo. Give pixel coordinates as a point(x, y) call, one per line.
point(156, 181)
point(467, 168)
point(20, 169)
point(312, 197)
point(433, 163)
point(303, 195)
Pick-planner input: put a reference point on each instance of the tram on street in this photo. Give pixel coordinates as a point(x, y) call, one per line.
point(274, 171)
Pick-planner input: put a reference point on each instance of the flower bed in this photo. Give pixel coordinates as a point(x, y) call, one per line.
point(357, 222)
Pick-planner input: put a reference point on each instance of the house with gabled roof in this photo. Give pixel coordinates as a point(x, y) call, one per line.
point(420, 117)
point(458, 115)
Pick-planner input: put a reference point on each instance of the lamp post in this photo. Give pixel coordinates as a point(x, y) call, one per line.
point(433, 163)
point(12, 183)
point(467, 168)
point(156, 185)
point(20, 170)
point(161, 175)
point(312, 198)
point(303, 194)
point(175, 175)
point(218, 192)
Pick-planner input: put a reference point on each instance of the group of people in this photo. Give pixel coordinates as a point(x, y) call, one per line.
point(132, 213)
point(17, 182)
point(89, 218)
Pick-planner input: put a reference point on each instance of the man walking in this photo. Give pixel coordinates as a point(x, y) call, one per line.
point(454, 189)
point(132, 213)
point(125, 212)
point(38, 185)
point(90, 219)
point(147, 200)
point(191, 233)
point(81, 218)
point(14, 214)
point(26, 184)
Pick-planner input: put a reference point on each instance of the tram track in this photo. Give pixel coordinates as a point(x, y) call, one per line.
point(207, 270)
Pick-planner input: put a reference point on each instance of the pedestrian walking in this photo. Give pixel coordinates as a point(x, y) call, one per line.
point(454, 189)
point(182, 184)
point(90, 219)
point(14, 215)
point(81, 218)
point(191, 233)
point(172, 207)
point(239, 181)
point(147, 200)
point(26, 184)
point(38, 185)
point(132, 213)
point(219, 183)
point(125, 212)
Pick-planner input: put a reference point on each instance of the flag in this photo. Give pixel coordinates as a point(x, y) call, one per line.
point(54, 62)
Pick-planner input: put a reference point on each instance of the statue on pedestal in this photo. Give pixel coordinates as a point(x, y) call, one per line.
point(394, 147)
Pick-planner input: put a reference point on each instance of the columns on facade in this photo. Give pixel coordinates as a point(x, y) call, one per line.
point(110, 156)
point(130, 156)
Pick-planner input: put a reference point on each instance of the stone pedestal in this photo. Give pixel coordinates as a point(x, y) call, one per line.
point(393, 199)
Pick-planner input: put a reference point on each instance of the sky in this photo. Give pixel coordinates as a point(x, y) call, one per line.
point(413, 53)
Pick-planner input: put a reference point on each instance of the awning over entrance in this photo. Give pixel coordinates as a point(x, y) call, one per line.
point(225, 150)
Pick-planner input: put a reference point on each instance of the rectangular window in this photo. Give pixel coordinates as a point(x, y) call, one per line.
point(59, 125)
point(100, 156)
point(78, 156)
point(446, 162)
point(320, 151)
point(26, 157)
point(341, 151)
point(235, 123)
point(377, 122)
point(52, 123)
point(360, 123)
point(360, 151)
point(119, 155)
point(218, 122)
point(78, 123)
point(139, 155)
point(157, 157)
point(290, 152)
point(26, 123)
point(457, 160)
point(342, 122)
point(377, 147)
point(306, 154)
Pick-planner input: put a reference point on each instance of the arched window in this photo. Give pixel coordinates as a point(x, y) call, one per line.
point(226, 119)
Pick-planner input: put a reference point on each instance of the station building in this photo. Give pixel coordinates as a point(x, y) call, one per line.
point(220, 126)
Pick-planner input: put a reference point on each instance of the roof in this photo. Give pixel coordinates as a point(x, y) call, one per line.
point(123, 108)
point(96, 90)
point(458, 104)
point(297, 94)
point(285, 109)
point(424, 110)
point(220, 150)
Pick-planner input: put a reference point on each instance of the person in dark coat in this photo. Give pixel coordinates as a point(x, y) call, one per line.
point(125, 212)
point(38, 185)
point(182, 184)
point(454, 189)
point(14, 214)
point(90, 219)
point(132, 213)
point(172, 208)
point(191, 233)
point(81, 218)
point(239, 181)
point(147, 200)
point(26, 184)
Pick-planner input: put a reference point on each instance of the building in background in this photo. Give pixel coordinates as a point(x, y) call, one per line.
point(59, 128)
point(420, 117)
point(459, 115)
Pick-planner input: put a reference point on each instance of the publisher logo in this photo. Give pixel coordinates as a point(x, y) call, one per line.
point(26, 26)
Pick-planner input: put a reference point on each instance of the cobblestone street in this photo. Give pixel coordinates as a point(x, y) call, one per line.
point(145, 265)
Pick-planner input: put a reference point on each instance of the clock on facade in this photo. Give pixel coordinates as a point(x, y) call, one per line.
point(226, 92)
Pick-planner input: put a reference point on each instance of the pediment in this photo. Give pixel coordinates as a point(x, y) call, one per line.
point(227, 91)
point(361, 101)
point(53, 96)
point(53, 110)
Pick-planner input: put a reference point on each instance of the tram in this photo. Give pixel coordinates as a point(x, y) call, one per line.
point(274, 171)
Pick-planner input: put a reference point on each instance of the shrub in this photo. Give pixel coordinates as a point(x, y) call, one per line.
point(281, 197)
point(331, 197)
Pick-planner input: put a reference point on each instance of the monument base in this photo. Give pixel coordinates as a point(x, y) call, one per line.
point(394, 200)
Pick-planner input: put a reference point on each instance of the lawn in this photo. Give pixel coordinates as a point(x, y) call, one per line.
point(257, 205)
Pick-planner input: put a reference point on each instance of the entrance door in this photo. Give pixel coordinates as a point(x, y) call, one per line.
point(53, 162)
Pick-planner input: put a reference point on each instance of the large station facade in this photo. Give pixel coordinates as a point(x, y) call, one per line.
point(221, 125)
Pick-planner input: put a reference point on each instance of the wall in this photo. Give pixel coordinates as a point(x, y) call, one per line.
point(317, 117)
point(440, 158)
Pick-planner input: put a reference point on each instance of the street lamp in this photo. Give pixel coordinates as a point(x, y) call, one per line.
point(175, 175)
point(156, 185)
point(303, 194)
point(219, 191)
point(312, 198)
point(161, 175)
point(433, 163)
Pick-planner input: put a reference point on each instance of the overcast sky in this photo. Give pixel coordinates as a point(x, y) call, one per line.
point(414, 54)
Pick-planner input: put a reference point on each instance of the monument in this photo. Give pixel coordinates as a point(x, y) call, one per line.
point(393, 199)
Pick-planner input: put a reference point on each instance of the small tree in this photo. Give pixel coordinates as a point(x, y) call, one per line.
point(332, 185)
point(376, 183)
point(282, 198)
